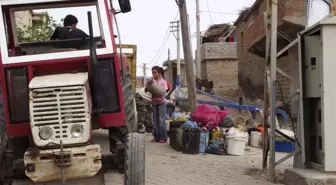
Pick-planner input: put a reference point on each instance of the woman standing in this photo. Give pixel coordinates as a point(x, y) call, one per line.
point(159, 108)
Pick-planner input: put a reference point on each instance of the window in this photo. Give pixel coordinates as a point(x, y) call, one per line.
point(35, 27)
point(32, 27)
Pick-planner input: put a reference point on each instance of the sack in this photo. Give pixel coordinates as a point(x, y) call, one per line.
point(155, 89)
point(209, 115)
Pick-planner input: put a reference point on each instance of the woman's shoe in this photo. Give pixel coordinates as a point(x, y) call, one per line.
point(154, 141)
point(163, 141)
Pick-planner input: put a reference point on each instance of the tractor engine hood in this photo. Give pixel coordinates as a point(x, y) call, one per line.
point(58, 80)
point(60, 109)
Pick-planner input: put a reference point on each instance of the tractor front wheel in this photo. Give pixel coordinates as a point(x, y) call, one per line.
point(135, 160)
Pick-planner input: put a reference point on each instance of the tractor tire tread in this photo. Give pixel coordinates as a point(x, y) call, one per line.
point(135, 160)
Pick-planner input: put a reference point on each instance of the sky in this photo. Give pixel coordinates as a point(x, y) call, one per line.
point(147, 24)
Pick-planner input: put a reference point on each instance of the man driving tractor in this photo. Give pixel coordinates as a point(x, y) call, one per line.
point(69, 30)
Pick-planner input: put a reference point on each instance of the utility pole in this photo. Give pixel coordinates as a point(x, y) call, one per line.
point(175, 27)
point(198, 38)
point(267, 85)
point(170, 68)
point(144, 68)
point(274, 34)
point(191, 48)
point(182, 4)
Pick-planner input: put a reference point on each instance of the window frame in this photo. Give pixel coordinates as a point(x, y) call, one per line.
point(102, 17)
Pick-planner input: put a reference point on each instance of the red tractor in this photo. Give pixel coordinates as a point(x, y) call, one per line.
point(55, 92)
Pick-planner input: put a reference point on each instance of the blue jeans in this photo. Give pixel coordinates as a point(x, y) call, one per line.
point(159, 121)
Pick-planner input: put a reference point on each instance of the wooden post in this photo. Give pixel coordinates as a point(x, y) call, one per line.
point(267, 85)
point(187, 55)
point(273, 51)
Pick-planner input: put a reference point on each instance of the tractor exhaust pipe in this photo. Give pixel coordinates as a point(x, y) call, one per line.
point(94, 71)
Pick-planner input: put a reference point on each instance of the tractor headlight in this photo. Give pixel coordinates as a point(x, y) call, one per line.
point(77, 130)
point(46, 133)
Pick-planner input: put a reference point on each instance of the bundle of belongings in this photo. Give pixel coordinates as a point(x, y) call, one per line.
point(211, 119)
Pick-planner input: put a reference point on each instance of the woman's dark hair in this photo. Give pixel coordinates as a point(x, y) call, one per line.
point(159, 70)
point(69, 20)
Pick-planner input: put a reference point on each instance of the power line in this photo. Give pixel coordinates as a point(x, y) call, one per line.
point(193, 21)
point(224, 13)
point(164, 42)
point(209, 11)
point(164, 47)
point(217, 6)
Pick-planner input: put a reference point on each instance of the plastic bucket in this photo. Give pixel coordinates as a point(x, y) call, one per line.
point(255, 139)
point(284, 146)
point(173, 127)
point(191, 140)
point(179, 140)
point(216, 135)
point(236, 145)
point(173, 138)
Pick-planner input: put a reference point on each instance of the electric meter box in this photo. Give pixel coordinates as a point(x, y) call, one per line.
point(317, 61)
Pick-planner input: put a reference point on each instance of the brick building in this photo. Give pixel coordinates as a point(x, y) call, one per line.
point(171, 71)
point(251, 38)
point(219, 58)
point(220, 64)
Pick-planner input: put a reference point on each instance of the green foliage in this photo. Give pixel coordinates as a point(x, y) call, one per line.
point(38, 30)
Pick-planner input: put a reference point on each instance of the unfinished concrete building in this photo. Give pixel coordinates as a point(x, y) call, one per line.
point(251, 44)
point(219, 59)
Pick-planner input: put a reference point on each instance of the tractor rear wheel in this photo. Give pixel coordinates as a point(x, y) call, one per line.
point(129, 103)
point(118, 135)
point(3, 141)
point(3, 130)
point(135, 160)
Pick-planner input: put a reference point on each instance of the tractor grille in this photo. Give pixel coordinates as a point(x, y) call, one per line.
point(59, 108)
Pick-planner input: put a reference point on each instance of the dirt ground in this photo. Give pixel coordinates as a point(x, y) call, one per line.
point(169, 167)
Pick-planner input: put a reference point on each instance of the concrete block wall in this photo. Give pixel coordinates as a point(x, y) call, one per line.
point(218, 51)
point(219, 64)
point(224, 74)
